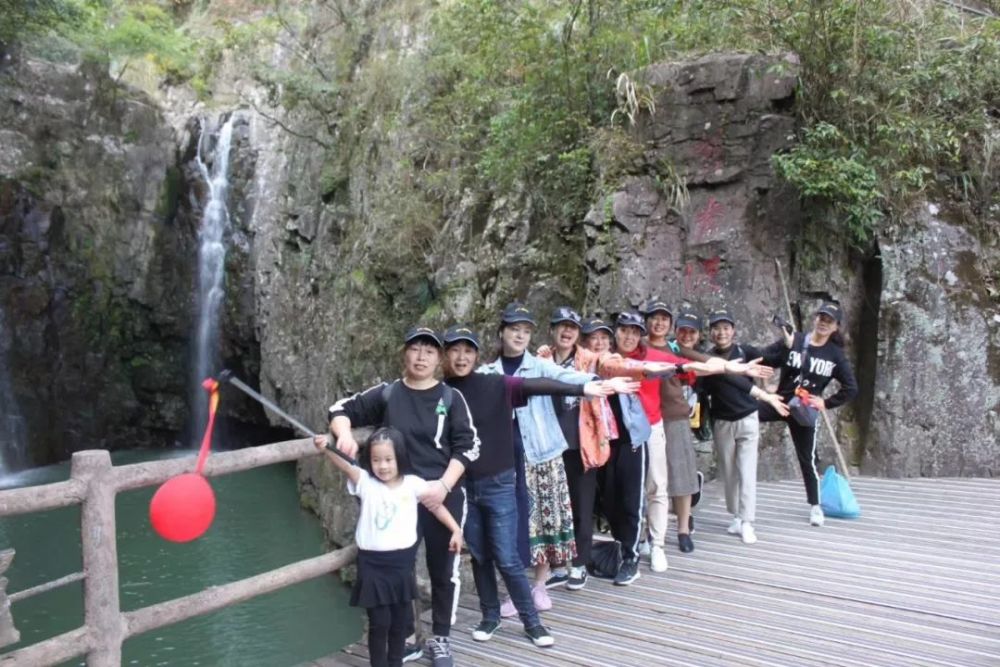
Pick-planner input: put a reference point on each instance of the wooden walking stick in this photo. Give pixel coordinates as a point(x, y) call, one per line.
point(826, 417)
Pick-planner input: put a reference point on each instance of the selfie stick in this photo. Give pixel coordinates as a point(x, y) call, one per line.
point(826, 417)
point(227, 376)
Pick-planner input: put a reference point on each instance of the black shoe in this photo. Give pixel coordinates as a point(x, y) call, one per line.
point(684, 543)
point(540, 636)
point(412, 652)
point(577, 578)
point(557, 579)
point(696, 496)
point(485, 630)
point(628, 572)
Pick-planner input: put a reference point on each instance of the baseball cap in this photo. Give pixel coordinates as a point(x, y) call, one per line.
point(422, 332)
point(688, 319)
point(657, 306)
point(564, 314)
point(515, 312)
point(720, 315)
point(457, 332)
point(594, 324)
point(630, 318)
point(830, 308)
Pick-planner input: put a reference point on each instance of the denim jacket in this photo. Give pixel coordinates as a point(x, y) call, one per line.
point(543, 439)
point(635, 419)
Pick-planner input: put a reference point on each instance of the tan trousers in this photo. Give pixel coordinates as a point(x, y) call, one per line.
point(736, 454)
point(657, 501)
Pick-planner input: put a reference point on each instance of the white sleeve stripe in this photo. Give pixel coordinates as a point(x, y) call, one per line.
point(473, 453)
point(339, 405)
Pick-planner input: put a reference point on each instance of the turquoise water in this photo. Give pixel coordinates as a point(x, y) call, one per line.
point(259, 525)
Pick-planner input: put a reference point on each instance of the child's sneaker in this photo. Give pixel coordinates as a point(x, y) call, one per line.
point(557, 577)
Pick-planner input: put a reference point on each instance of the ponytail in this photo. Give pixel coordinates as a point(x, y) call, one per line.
point(837, 338)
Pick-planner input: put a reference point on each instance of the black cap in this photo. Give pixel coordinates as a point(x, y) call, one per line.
point(457, 332)
point(688, 319)
point(517, 312)
point(654, 306)
point(422, 332)
point(630, 318)
point(830, 308)
point(564, 314)
point(595, 324)
point(720, 315)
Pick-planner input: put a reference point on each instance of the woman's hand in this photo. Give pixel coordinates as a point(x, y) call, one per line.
point(544, 352)
point(752, 369)
point(776, 402)
point(455, 543)
point(788, 333)
point(622, 385)
point(348, 445)
point(435, 494)
point(817, 402)
point(321, 441)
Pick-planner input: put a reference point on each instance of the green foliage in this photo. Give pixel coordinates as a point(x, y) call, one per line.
point(21, 19)
point(894, 98)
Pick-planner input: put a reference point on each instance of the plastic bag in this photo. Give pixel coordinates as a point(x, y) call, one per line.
point(803, 413)
point(605, 559)
point(836, 496)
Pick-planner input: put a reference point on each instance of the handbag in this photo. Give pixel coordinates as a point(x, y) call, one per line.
point(800, 407)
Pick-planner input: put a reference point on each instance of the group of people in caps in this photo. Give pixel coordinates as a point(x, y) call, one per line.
point(516, 457)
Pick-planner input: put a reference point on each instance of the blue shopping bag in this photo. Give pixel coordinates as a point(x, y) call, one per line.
point(836, 496)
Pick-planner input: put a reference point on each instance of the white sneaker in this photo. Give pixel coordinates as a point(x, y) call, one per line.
point(657, 559)
point(734, 526)
point(816, 517)
point(747, 533)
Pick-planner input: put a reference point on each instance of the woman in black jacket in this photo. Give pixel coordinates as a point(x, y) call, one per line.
point(808, 362)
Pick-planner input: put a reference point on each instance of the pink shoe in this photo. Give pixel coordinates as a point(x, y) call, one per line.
point(540, 596)
point(507, 609)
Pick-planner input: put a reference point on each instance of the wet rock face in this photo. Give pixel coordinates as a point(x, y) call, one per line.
point(937, 391)
point(707, 219)
point(92, 271)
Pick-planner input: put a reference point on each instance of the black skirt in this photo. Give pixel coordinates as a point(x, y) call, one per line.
point(385, 577)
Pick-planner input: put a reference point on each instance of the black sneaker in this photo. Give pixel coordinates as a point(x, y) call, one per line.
point(685, 543)
point(440, 652)
point(577, 578)
point(557, 578)
point(696, 496)
point(412, 652)
point(539, 636)
point(628, 572)
point(485, 630)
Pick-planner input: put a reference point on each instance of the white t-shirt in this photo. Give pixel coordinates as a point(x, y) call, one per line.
point(388, 519)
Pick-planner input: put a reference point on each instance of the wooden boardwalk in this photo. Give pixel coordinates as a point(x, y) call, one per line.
point(914, 582)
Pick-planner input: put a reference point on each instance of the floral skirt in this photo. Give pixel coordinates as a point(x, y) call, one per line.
point(550, 523)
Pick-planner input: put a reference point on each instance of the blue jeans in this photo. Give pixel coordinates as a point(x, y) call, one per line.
point(491, 536)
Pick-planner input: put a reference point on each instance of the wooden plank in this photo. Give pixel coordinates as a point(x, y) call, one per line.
point(892, 588)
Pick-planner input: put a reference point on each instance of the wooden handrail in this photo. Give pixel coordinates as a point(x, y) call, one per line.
point(94, 483)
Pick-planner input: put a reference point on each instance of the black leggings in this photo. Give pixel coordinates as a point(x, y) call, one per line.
point(442, 565)
point(804, 439)
point(387, 629)
point(582, 492)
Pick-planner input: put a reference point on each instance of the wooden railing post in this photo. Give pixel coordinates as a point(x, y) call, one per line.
point(102, 613)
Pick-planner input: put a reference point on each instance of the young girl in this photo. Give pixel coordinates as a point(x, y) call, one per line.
point(386, 536)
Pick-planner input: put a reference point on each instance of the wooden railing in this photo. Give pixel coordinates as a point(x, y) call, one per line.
point(93, 483)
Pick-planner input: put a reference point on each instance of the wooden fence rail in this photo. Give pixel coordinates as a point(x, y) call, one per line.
point(93, 483)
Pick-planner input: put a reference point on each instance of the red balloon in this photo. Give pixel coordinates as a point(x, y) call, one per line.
point(182, 508)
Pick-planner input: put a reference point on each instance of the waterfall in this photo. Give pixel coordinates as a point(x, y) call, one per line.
point(211, 259)
point(13, 440)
